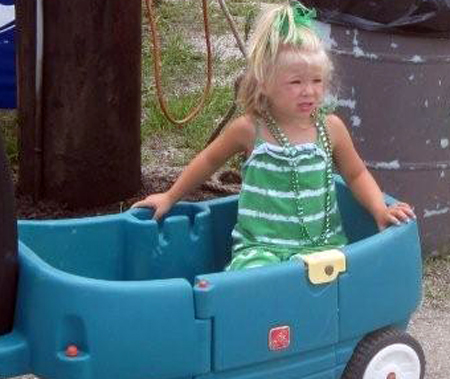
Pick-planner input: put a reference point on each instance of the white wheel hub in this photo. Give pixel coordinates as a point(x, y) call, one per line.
point(397, 361)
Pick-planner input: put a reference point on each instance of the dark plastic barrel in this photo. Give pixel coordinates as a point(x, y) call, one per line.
point(394, 93)
point(8, 246)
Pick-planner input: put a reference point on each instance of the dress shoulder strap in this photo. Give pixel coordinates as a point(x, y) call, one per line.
point(324, 135)
point(258, 135)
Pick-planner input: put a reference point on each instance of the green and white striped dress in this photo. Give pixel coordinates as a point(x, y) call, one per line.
point(268, 226)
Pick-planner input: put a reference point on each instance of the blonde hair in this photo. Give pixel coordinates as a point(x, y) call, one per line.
point(271, 49)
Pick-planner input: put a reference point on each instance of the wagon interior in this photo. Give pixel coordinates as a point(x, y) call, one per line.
point(192, 239)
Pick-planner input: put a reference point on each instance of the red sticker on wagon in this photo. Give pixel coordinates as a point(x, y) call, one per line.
point(279, 338)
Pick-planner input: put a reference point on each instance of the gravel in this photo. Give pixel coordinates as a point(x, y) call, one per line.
point(431, 327)
point(431, 323)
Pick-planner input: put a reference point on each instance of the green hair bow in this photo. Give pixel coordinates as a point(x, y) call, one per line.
point(303, 16)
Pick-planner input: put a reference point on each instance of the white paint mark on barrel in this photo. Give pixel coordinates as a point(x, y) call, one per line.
point(435, 212)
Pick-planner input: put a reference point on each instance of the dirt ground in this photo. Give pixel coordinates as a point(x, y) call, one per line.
point(431, 323)
point(159, 170)
point(431, 326)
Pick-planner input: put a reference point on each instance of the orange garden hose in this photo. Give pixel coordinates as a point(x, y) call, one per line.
point(157, 64)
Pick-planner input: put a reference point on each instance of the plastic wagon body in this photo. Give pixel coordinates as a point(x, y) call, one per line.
point(142, 300)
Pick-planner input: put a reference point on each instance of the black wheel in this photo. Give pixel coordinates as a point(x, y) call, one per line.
point(8, 246)
point(386, 354)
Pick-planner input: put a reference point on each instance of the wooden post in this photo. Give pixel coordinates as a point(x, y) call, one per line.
point(80, 130)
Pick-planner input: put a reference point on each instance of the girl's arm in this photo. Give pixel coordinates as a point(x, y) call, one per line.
point(359, 179)
point(237, 137)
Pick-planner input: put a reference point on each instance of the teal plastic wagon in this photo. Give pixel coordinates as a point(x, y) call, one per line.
point(122, 296)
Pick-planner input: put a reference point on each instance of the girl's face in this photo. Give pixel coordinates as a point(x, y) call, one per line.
point(295, 90)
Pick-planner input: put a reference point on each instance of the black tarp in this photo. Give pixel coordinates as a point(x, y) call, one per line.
point(430, 17)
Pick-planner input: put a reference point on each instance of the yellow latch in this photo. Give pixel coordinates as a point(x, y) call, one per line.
point(325, 266)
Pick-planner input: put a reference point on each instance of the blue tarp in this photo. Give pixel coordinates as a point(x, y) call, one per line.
point(7, 55)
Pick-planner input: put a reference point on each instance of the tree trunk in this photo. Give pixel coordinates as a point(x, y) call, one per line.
point(80, 131)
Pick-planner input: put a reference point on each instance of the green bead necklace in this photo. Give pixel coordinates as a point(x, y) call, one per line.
point(290, 151)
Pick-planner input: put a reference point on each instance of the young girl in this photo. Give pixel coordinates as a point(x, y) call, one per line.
point(287, 205)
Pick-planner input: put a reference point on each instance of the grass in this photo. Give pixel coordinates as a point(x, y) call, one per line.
point(184, 69)
point(8, 126)
point(197, 132)
point(180, 63)
point(189, 12)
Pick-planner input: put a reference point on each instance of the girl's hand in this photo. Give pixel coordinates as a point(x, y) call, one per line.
point(160, 202)
point(395, 214)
